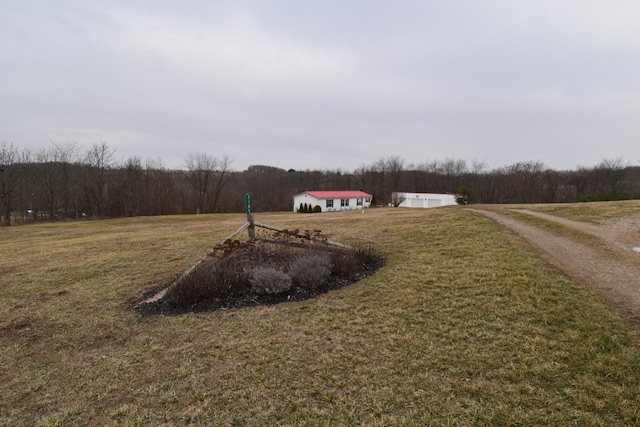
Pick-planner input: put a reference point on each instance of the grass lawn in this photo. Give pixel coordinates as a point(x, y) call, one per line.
point(594, 212)
point(463, 326)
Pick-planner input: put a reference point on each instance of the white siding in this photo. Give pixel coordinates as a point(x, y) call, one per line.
point(424, 200)
point(352, 203)
point(416, 203)
point(309, 200)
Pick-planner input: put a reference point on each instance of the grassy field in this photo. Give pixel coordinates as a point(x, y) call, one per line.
point(463, 326)
point(594, 212)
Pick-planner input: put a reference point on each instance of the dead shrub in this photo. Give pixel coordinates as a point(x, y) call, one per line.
point(310, 270)
point(367, 255)
point(210, 281)
point(343, 263)
point(268, 280)
point(348, 262)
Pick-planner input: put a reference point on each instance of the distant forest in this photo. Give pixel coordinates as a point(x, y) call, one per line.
point(62, 182)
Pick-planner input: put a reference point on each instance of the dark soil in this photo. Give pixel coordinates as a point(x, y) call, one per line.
point(296, 293)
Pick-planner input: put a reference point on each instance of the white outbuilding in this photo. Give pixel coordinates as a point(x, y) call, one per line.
point(423, 200)
point(332, 200)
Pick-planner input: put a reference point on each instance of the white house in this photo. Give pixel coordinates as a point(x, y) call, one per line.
point(332, 200)
point(423, 200)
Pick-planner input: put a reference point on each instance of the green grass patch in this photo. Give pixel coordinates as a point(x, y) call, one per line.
point(463, 326)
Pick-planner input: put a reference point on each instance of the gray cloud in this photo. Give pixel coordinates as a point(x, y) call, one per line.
point(326, 84)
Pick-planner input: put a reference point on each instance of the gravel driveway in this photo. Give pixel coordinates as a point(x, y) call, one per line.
point(612, 269)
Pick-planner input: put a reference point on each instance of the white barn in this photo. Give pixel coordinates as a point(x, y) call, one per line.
point(332, 200)
point(423, 200)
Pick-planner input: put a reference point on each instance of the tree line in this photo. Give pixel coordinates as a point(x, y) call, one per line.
point(64, 182)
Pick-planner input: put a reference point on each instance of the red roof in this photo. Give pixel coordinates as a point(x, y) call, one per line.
point(337, 194)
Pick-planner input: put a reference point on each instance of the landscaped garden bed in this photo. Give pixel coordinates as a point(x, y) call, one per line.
point(275, 267)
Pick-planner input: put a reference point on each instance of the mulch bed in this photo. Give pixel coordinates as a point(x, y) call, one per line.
point(296, 293)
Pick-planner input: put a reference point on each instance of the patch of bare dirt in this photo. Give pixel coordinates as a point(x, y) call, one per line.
point(616, 277)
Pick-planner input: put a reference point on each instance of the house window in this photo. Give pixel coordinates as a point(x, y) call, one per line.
point(368, 199)
point(329, 203)
point(344, 202)
point(359, 202)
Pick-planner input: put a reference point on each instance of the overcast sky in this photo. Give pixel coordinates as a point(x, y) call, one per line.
point(325, 84)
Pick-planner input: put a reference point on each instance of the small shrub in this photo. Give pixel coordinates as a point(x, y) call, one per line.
point(464, 196)
point(317, 209)
point(368, 255)
point(310, 270)
point(191, 291)
point(346, 263)
point(209, 281)
point(268, 280)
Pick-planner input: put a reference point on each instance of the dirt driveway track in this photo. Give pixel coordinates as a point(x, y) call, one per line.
point(612, 269)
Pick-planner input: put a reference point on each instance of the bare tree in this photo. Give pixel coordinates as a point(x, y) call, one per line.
point(524, 182)
point(453, 169)
point(99, 159)
point(67, 156)
point(397, 198)
point(395, 168)
point(208, 176)
point(160, 184)
point(270, 188)
point(609, 174)
point(129, 181)
point(362, 176)
point(430, 178)
point(9, 175)
point(478, 166)
point(220, 178)
point(379, 178)
point(44, 174)
point(200, 167)
point(51, 175)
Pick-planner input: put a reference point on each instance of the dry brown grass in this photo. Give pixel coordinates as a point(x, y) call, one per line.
point(594, 212)
point(463, 326)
